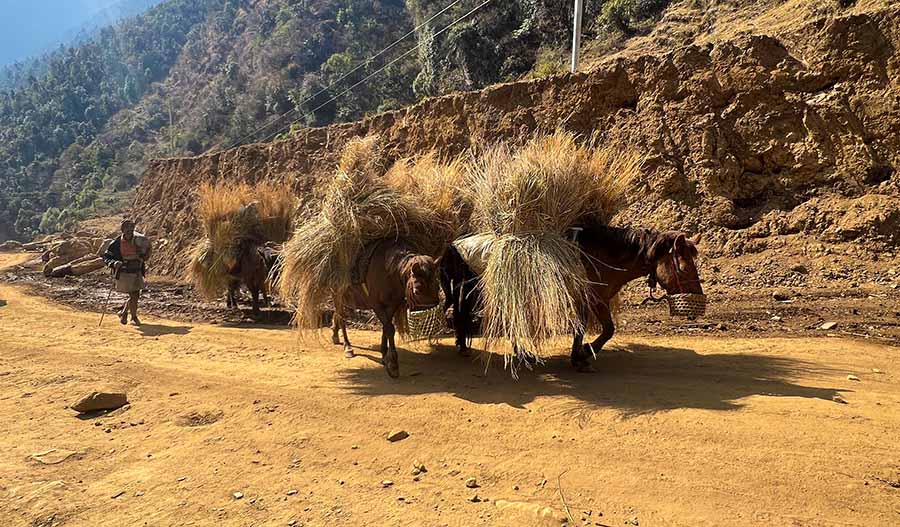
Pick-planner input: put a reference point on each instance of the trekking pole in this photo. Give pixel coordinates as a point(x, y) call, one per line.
point(106, 305)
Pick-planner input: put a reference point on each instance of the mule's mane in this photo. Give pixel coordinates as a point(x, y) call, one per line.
point(637, 242)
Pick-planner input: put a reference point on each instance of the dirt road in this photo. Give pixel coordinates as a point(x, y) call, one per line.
point(671, 431)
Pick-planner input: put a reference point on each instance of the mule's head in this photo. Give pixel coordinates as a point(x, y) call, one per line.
point(421, 274)
point(673, 260)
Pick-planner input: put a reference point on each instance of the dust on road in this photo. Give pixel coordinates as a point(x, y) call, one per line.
point(671, 431)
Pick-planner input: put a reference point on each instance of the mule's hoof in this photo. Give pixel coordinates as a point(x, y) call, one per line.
point(391, 365)
point(348, 352)
point(585, 367)
point(393, 370)
point(464, 352)
point(336, 340)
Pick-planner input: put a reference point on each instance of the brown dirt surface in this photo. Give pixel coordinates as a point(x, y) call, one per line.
point(673, 430)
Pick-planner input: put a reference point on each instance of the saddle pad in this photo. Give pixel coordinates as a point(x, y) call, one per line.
point(475, 250)
point(363, 259)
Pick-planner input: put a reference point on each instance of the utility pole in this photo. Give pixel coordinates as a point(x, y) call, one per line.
point(576, 34)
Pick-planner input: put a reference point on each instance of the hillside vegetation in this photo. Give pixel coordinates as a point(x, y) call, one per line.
point(78, 126)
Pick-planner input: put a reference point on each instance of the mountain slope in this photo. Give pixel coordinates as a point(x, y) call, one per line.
point(189, 77)
point(754, 142)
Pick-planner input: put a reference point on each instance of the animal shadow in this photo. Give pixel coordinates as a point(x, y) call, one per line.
point(635, 379)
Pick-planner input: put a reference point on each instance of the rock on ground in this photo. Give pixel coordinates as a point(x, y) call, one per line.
point(95, 401)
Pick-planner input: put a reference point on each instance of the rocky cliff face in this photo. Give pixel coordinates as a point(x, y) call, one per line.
point(746, 139)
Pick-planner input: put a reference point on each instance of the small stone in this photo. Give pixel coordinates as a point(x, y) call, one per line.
point(472, 483)
point(401, 498)
point(475, 499)
point(95, 401)
point(238, 495)
point(292, 523)
point(515, 487)
point(291, 492)
point(781, 296)
point(828, 326)
point(417, 478)
point(418, 465)
point(138, 494)
point(876, 370)
point(182, 478)
point(852, 378)
point(838, 399)
point(387, 483)
point(397, 435)
point(354, 447)
point(775, 318)
point(117, 494)
point(454, 472)
point(340, 482)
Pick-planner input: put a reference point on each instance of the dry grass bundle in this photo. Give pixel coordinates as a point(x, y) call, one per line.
point(359, 207)
point(440, 186)
point(236, 216)
point(535, 286)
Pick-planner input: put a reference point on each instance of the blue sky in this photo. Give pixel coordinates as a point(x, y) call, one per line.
point(28, 27)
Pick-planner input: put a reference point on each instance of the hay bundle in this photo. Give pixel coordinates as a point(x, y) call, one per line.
point(359, 207)
point(535, 286)
point(438, 185)
point(237, 217)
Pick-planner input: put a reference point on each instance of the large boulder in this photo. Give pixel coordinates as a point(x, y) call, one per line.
point(87, 266)
point(11, 246)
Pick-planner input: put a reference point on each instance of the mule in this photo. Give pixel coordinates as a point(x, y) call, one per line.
point(613, 257)
point(392, 279)
point(252, 269)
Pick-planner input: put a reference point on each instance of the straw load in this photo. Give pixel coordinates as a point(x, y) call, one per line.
point(534, 284)
point(237, 217)
point(438, 185)
point(362, 204)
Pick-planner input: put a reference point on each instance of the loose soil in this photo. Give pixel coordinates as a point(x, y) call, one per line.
point(672, 430)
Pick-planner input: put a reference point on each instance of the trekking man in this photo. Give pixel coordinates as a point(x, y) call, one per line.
point(127, 256)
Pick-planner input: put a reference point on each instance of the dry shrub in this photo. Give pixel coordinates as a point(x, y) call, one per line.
point(237, 217)
point(535, 285)
point(359, 207)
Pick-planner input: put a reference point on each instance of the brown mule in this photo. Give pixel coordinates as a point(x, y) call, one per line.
point(394, 279)
point(615, 256)
point(251, 269)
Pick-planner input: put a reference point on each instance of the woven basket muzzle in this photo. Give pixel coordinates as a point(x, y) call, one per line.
point(691, 305)
point(427, 323)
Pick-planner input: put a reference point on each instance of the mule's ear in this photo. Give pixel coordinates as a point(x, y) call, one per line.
point(437, 261)
point(679, 243)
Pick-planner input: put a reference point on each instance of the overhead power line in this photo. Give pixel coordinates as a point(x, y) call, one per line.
point(358, 67)
point(376, 72)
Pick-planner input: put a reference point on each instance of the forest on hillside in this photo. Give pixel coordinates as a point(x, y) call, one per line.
point(78, 125)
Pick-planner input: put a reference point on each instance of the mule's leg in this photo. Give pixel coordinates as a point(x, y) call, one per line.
point(589, 350)
point(254, 300)
point(581, 354)
point(348, 348)
point(335, 326)
point(388, 350)
point(462, 314)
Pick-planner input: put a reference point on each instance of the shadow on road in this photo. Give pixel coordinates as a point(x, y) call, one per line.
point(637, 379)
point(158, 330)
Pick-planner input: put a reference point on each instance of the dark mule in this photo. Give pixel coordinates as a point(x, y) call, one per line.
point(392, 278)
point(613, 257)
point(251, 269)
